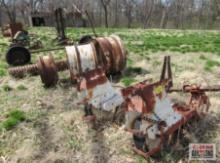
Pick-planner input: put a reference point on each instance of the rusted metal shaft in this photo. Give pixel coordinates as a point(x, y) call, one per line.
point(20, 71)
point(215, 88)
point(33, 69)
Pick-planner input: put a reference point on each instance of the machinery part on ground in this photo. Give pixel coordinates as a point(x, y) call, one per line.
point(105, 52)
point(46, 67)
point(86, 57)
point(111, 52)
point(60, 27)
point(22, 38)
point(11, 29)
point(166, 72)
point(18, 55)
point(151, 116)
point(97, 91)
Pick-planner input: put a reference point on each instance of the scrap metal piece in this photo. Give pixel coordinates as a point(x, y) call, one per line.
point(112, 52)
point(46, 67)
point(151, 116)
point(60, 27)
point(95, 89)
point(47, 70)
point(18, 55)
point(105, 52)
point(80, 60)
point(166, 72)
point(11, 29)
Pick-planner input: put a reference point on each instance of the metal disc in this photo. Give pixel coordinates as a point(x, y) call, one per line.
point(18, 55)
point(48, 70)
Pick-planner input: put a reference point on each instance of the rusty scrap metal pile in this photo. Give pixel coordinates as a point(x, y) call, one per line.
point(150, 115)
point(19, 52)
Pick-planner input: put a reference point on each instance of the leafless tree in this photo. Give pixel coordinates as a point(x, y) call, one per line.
point(147, 10)
point(10, 8)
point(165, 8)
point(129, 6)
point(148, 13)
point(105, 4)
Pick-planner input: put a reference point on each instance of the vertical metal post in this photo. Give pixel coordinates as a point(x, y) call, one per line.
point(60, 24)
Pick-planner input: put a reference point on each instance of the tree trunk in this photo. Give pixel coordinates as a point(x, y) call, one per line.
point(0, 17)
point(164, 19)
point(106, 16)
point(116, 14)
point(148, 14)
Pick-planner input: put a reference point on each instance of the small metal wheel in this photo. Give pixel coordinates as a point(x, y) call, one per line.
point(18, 55)
point(141, 143)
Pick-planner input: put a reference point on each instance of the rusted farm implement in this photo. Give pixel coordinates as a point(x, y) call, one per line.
point(150, 115)
point(105, 52)
point(24, 44)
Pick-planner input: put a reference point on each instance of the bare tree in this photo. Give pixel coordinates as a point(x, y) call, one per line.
point(116, 14)
point(129, 6)
point(10, 9)
point(105, 4)
point(147, 9)
point(164, 18)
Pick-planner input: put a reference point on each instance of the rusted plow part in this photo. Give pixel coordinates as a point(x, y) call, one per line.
point(11, 29)
point(150, 115)
point(196, 88)
point(166, 71)
point(46, 67)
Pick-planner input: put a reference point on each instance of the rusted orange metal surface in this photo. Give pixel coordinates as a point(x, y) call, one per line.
point(81, 59)
point(11, 29)
point(150, 115)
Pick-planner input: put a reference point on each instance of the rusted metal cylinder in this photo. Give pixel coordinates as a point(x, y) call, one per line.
point(105, 52)
point(112, 52)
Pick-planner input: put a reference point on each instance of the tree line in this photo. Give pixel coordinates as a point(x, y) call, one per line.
point(178, 14)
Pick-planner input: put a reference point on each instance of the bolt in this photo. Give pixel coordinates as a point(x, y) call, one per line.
point(46, 67)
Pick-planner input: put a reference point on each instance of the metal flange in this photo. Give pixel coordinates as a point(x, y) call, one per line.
point(48, 70)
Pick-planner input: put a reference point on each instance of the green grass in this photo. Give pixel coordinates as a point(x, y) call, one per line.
point(6, 88)
point(210, 64)
point(3, 69)
point(21, 87)
point(127, 81)
point(13, 118)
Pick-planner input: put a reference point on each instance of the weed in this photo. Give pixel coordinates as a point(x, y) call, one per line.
point(7, 88)
point(127, 81)
point(74, 143)
point(13, 118)
point(202, 57)
point(17, 114)
point(136, 70)
point(2, 72)
point(21, 87)
point(129, 62)
point(210, 64)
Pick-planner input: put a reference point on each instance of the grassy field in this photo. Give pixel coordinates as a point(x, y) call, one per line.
point(45, 125)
